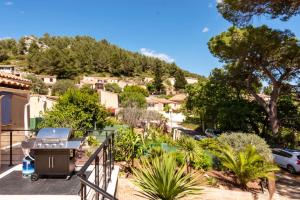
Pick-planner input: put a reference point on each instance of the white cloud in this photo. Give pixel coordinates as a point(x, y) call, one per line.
point(8, 3)
point(161, 56)
point(5, 38)
point(219, 1)
point(205, 29)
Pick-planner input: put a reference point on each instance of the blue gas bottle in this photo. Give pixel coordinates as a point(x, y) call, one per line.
point(27, 166)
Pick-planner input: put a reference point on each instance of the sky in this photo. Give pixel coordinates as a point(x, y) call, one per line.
point(172, 30)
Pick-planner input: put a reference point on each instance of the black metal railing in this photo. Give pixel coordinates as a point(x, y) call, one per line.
point(11, 140)
point(95, 174)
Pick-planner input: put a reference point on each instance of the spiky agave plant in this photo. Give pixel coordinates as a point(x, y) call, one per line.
point(247, 165)
point(160, 178)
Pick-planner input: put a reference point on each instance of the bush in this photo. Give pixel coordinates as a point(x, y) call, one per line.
point(195, 156)
point(202, 160)
point(113, 87)
point(128, 145)
point(92, 141)
point(238, 141)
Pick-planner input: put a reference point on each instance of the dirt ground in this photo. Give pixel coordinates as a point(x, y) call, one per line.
point(288, 185)
point(288, 188)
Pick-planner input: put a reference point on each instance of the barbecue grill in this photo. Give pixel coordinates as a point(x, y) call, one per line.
point(54, 152)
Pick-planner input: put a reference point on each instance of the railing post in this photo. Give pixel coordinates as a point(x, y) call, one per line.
point(104, 166)
point(109, 153)
point(112, 151)
point(97, 175)
point(83, 189)
point(10, 148)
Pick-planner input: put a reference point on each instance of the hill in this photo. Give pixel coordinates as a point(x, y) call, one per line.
point(69, 57)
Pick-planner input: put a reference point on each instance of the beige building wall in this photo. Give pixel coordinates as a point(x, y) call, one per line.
point(155, 106)
point(39, 104)
point(109, 99)
point(18, 103)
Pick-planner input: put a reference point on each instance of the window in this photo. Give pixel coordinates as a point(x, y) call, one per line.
point(285, 154)
point(51, 79)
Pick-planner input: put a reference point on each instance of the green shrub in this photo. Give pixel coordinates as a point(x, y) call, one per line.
point(195, 156)
point(179, 157)
point(113, 87)
point(92, 141)
point(202, 160)
point(238, 141)
point(208, 143)
point(128, 145)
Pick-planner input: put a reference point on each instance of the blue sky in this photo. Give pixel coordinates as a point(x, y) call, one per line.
point(175, 30)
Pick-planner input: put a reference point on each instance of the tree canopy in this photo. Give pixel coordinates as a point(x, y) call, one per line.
point(37, 85)
point(180, 81)
point(138, 89)
point(240, 12)
point(68, 57)
point(61, 86)
point(253, 56)
point(77, 109)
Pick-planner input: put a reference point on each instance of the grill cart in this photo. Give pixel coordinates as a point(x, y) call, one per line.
point(54, 153)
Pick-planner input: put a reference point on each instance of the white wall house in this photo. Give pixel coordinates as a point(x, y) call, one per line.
point(39, 104)
point(49, 80)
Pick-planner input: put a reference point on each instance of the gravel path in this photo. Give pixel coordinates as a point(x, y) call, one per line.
point(128, 191)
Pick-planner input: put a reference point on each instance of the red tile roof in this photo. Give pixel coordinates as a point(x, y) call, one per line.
point(9, 80)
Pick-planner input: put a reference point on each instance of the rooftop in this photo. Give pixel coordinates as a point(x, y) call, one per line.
point(9, 80)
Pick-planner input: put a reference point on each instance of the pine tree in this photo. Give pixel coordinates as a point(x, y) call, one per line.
point(180, 81)
point(158, 83)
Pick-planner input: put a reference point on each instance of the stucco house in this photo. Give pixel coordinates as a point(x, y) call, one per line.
point(156, 103)
point(39, 104)
point(177, 101)
point(97, 82)
point(14, 98)
point(191, 80)
point(48, 80)
point(109, 100)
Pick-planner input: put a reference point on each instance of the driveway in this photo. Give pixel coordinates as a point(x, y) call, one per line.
point(288, 185)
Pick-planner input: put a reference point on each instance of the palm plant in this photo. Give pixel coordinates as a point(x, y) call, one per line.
point(159, 178)
point(247, 165)
point(188, 145)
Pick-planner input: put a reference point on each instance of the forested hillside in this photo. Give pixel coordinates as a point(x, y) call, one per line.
point(68, 57)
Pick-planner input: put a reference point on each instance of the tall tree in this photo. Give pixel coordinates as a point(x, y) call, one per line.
point(240, 12)
point(158, 83)
point(180, 81)
point(256, 55)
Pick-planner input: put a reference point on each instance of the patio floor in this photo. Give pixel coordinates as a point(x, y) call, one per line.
point(14, 186)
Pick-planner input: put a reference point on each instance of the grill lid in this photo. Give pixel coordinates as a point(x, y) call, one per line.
point(54, 133)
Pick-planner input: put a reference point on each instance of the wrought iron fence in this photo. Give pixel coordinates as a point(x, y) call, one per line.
point(95, 175)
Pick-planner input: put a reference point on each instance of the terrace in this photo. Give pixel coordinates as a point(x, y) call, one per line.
point(95, 177)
